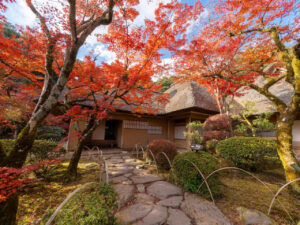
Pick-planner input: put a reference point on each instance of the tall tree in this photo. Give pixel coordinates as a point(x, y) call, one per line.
point(269, 32)
point(65, 28)
point(128, 79)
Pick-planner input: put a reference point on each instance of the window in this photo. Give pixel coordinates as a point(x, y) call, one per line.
point(179, 132)
point(132, 124)
point(154, 130)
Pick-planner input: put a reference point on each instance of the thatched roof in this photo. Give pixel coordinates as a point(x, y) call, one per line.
point(282, 90)
point(189, 95)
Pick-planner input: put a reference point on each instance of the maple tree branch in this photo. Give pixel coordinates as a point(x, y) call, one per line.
point(104, 19)
point(262, 90)
point(72, 19)
point(284, 52)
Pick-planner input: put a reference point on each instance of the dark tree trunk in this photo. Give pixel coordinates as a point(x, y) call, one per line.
point(8, 211)
point(72, 168)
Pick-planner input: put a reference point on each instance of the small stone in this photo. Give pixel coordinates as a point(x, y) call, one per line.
point(177, 217)
point(140, 188)
point(144, 198)
point(133, 213)
point(203, 211)
point(90, 166)
point(173, 202)
point(162, 190)
point(140, 167)
point(144, 179)
point(252, 217)
point(157, 216)
point(125, 193)
point(115, 160)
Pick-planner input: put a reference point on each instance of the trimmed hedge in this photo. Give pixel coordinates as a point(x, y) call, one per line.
point(248, 153)
point(217, 134)
point(186, 175)
point(159, 146)
point(211, 145)
point(95, 204)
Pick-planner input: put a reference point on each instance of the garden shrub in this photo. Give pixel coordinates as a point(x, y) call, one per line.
point(248, 153)
point(186, 175)
point(95, 204)
point(211, 145)
point(159, 146)
point(217, 135)
point(217, 122)
point(53, 133)
point(41, 150)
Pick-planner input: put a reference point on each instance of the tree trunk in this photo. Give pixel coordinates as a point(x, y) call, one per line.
point(72, 168)
point(8, 210)
point(285, 149)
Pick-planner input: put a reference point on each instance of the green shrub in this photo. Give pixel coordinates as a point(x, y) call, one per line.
point(95, 204)
point(41, 150)
point(53, 133)
point(159, 146)
point(247, 152)
point(186, 175)
point(211, 145)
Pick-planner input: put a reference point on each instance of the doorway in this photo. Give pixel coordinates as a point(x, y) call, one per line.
point(111, 129)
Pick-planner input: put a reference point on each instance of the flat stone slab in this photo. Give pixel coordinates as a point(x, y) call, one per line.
point(119, 179)
point(119, 172)
point(177, 217)
point(144, 179)
point(133, 213)
point(173, 202)
point(140, 171)
point(125, 192)
point(144, 198)
point(162, 190)
point(115, 161)
point(203, 211)
point(157, 216)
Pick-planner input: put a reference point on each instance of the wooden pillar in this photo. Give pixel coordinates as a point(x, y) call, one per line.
point(188, 139)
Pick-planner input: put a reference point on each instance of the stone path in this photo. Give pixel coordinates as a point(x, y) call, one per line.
point(146, 199)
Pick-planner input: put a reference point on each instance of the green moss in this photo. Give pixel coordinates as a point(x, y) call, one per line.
point(186, 175)
point(94, 204)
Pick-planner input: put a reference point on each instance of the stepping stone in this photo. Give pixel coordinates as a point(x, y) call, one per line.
point(144, 198)
point(144, 179)
point(162, 190)
point(133, 213)
point(115, 160)
point(125, 192)
point(115, 173)
point(177, 217)
point(140, 171)
point(173, 202)
point(128, 175)
point(140, 188)
point(157, 216)
point(119, 179)
point(203, 211)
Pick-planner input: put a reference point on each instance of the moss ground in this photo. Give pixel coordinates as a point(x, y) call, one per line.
point(35, 202)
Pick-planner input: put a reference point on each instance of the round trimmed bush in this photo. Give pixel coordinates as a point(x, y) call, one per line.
point(186, 175)
point(248, 153)
point(158, 147)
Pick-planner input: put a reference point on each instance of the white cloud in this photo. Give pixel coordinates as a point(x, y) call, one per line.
point(194, 24)
point(19, 13)
point(147, 8)
point(108, 56)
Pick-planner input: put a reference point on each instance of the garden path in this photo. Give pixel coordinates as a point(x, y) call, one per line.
point(146, 199)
